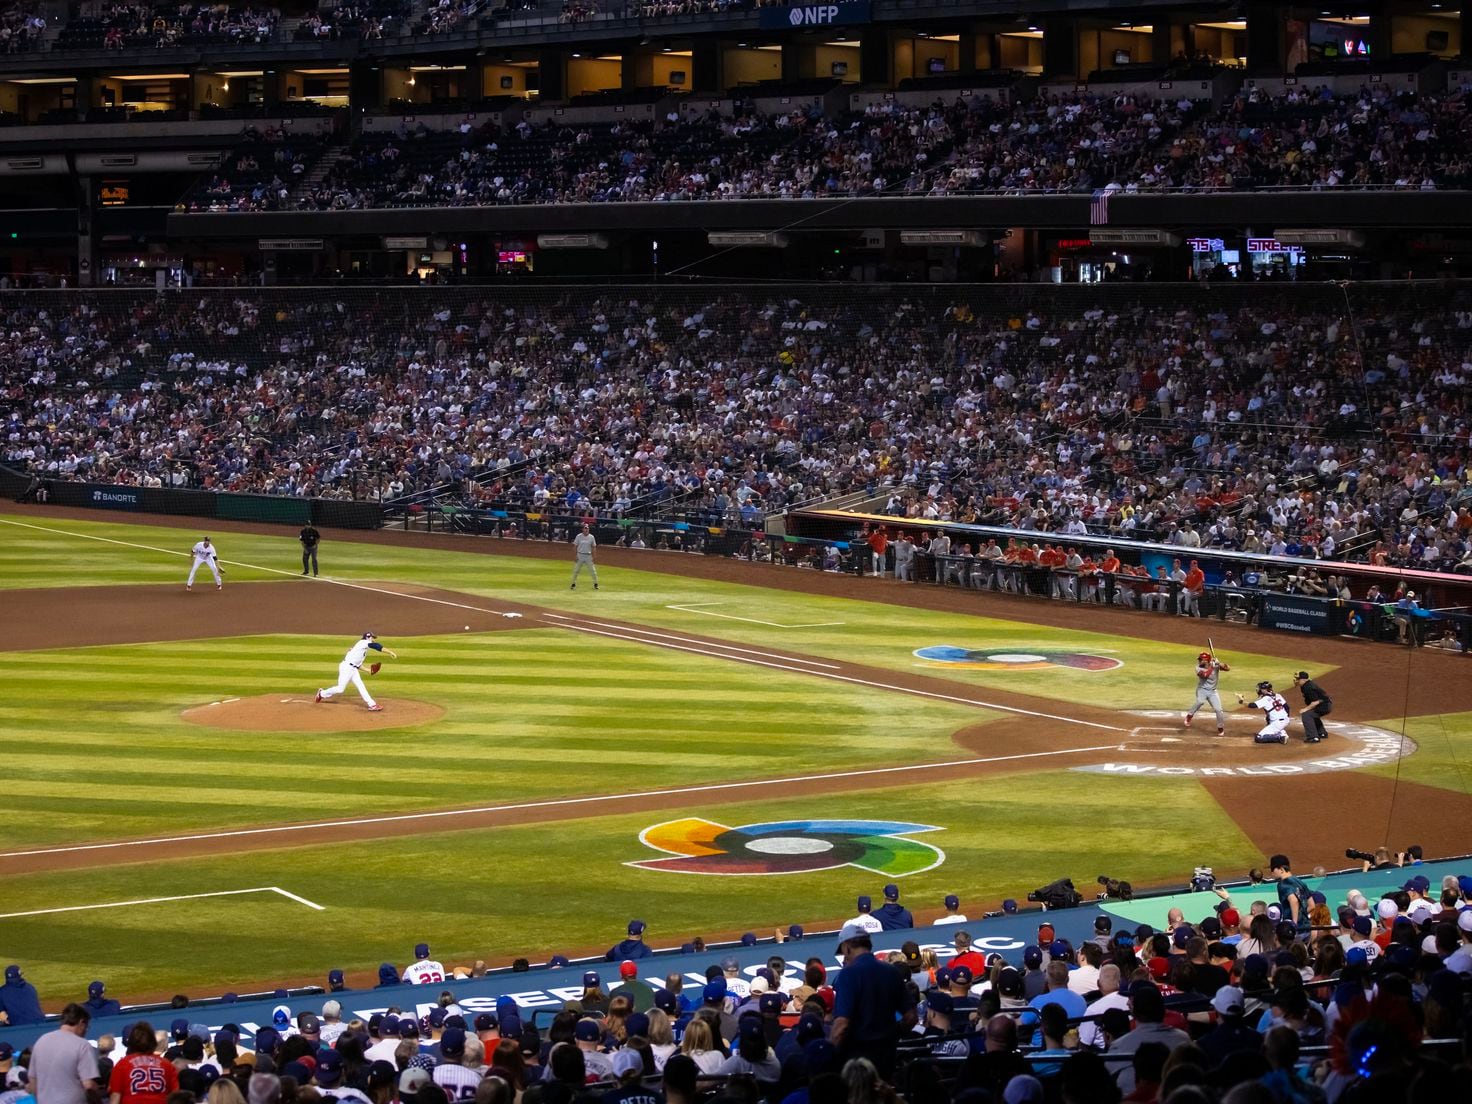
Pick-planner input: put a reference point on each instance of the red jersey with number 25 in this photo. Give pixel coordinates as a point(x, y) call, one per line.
point(143, 1079)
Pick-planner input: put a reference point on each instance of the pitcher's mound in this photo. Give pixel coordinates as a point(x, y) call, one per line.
point(283, 712)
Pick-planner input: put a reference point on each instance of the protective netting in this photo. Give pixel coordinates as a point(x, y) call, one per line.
point(1307, 415)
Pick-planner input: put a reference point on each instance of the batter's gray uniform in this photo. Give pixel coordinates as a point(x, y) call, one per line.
point(1208, 674)
point(583, 544)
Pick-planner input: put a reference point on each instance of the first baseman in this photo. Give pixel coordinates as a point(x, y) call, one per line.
point(583, 544)
point(1275, 712)
point(1208, 674)
point(348, 670)
point(204, 554)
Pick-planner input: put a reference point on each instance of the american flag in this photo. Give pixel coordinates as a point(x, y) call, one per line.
point(1099, 208)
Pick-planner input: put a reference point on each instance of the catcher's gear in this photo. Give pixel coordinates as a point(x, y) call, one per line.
point(373, 670)
point(1264, 687)
point(1204, 656)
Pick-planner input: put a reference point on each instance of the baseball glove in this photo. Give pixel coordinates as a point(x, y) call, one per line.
point(373, 670)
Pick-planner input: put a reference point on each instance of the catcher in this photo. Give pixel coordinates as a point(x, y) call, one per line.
point(1275, 712)
point(349, 670)
point(1208, 674)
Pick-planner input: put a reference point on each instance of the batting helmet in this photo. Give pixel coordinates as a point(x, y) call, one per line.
point(1264, 687)
point(1204, 655)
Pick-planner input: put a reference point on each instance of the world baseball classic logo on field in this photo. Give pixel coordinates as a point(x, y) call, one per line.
point(697, 846)
point(1012, 659)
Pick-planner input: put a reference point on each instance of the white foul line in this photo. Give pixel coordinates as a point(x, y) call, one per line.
point(253, 567)
point(704, 649)
point(161, 900)
point(552, 803)
point(689, 607)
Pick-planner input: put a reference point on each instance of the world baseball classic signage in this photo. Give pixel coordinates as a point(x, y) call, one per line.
point(799, 16)
point(1295, 613)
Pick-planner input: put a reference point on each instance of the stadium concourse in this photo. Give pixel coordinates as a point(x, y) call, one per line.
point(1319, 421)
point(1216, 994)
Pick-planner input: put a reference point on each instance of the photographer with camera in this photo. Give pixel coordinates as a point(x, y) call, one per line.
point(1380, 860)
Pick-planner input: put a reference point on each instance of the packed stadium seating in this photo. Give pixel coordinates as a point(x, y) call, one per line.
point(21, 27)
point(1307, 420)
point(1265, 993)
point(1068, 142)
point(124, 25)
point(369, 20)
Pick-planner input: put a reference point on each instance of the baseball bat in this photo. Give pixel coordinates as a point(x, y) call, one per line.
point(1210, 647)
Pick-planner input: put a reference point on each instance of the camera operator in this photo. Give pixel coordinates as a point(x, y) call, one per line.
point(1380, 860)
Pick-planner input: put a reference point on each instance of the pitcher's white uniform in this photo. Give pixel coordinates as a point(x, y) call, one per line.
point(204, 554)
point(348, 671)
point(1275, 712)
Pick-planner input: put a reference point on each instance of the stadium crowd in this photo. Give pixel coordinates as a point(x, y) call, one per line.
point(1318, 421)
point(1287, 998)
point(126, 25)
point(21, 27)
point(1056, 142)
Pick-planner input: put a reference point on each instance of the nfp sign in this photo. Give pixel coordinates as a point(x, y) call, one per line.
point(815, 15)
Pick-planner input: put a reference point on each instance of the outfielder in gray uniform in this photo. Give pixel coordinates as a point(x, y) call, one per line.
point(583, 544)
point(1208, 672)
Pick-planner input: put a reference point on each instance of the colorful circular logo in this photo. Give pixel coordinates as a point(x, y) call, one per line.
point(697, 846)
point(1014, 659)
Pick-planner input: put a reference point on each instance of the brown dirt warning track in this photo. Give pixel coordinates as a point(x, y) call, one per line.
point(1374, 682)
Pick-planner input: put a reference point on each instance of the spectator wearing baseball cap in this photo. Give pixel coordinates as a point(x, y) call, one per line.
point(98, 1004)
point(1232, 1034)
point(1231, 921)
point(452, 1074)
point(594, 999)
point(1460, 960)
point(892, 915)
point(862, 921)
point(965, 956)
point(632, 947)
point(953, 915)
point(752, 1054)
point(641, 993)
point(1034, 983)
point(336, 983)
point(588, 1035)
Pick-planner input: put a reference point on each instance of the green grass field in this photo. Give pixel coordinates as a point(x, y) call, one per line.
point(95, 749)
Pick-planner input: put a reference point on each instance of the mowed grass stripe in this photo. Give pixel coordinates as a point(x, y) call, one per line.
point(564, 715)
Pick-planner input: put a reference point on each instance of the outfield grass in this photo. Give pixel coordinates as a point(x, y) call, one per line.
point(497, 893)
point(96, 749)
point(1155, 675)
